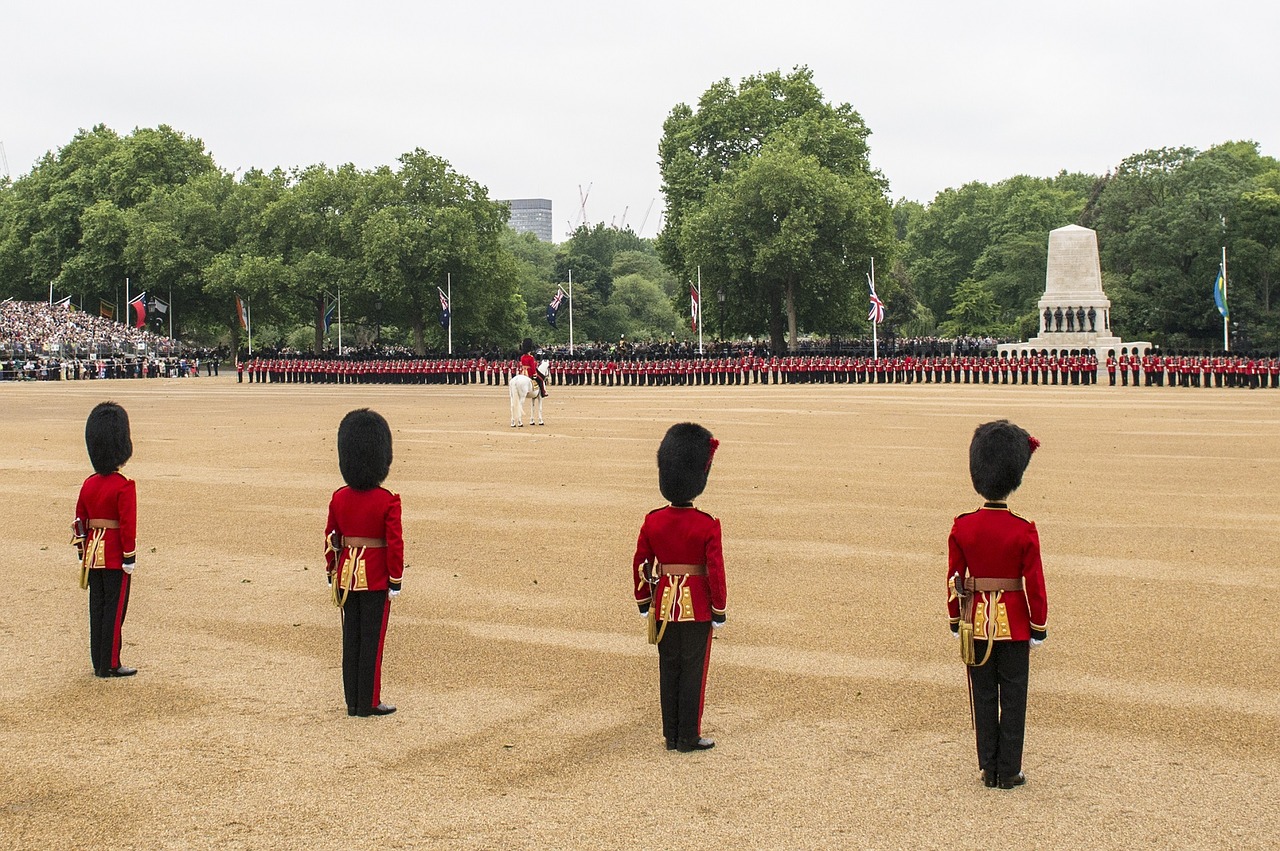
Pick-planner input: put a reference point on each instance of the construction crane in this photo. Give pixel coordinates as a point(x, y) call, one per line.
point(4, 163)
point(645, 220)
point(582, 203)
point(582, 210)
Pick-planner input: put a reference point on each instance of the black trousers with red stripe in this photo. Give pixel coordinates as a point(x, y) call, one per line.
point(364, 629)
point(1000, 705)
point(682, 678)
point(108, 603)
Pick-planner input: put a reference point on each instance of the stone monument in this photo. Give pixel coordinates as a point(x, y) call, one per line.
point(1074, 312)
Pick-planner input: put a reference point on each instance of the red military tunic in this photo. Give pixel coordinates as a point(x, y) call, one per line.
point(681, 535)
point(367, 514)
point(528, 365)
point(110, 497)
point(995, 543)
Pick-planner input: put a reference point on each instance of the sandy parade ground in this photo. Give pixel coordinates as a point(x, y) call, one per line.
point(528, 696)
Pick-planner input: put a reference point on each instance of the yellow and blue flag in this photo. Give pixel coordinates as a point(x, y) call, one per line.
point(330, 310)
point(1220, 294)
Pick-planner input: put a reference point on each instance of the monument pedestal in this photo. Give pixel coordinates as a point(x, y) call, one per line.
point(1075, 314)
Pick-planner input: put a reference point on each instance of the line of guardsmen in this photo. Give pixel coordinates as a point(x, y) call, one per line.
point(1159, 370)
point(1047, 368)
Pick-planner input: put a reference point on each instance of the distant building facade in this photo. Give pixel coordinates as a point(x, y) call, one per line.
point(531, 215)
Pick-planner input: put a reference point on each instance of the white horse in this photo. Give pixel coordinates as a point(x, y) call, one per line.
point(523, 387)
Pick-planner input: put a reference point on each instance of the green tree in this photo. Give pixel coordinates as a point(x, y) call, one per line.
point(65, 222)
point(173, 237)
point(993, 234)
point(592, 285)
point(645, 310)
point(534, 263)
point(1163, 217)
point(1254, 265)
point(248, 267)
point(443, 224)
point(975, 310)
point(770, 191)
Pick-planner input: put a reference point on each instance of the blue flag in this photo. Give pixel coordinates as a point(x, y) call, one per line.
point(329, 313)
point(1220, 294)
point(444, 308)
point(554, 307)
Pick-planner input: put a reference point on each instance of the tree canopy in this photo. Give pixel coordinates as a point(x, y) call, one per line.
point(771, 194)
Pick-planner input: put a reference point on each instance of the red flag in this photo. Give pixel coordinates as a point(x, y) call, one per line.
point(139, 305)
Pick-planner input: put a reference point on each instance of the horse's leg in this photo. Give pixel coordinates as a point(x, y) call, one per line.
point(537, 400)
point(515, 404)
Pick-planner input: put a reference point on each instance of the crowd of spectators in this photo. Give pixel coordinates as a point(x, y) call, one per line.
point(35, 328)
point(57, 342)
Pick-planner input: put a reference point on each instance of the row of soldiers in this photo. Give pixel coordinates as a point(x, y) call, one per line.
point(1073, 368)
point(1157, 370)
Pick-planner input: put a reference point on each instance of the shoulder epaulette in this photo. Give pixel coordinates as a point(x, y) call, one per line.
point(967, 513)
point(656, 510)
point(1019, 516)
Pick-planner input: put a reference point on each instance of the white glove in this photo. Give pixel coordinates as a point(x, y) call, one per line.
point(955, 635)
point(716, 626)
point(392, 593)
point(127, 568)
point(1036, 642)
point(644, 615)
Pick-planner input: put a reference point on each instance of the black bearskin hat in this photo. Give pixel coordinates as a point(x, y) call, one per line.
point(684, 459)
point(106, 436)
point(526, 346)
point(364, 449)
point(998, 456)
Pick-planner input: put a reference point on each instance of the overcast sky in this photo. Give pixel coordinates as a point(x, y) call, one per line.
point(538, 99)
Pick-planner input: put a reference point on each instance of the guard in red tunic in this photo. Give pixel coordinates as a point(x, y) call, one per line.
point(678, 577)
point(529, 365)
point(364, 556)
point(997, 602)
point(104, 533)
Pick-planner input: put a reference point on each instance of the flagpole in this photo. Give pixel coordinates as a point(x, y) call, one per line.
point(51, 293)
point(875, 326)
point(248, 324)
point(448, 285)
point(699, 310)
point(339, 320)
point(1226, 338)
point(170, 310)
point(570, 311)
point(126, 296)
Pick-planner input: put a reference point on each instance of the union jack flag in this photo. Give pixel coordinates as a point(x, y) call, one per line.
point(554, 307)
point(444, 308)
point(876, 314)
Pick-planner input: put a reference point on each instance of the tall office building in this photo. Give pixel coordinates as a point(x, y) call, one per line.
point(531, 215)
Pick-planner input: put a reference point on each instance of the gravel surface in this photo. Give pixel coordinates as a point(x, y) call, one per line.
point(527, 694)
